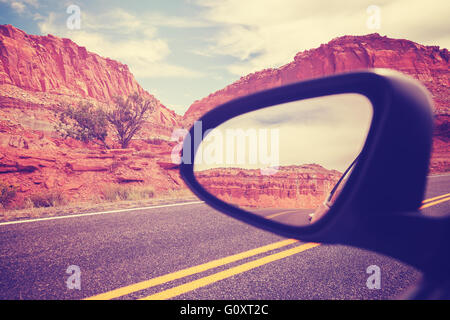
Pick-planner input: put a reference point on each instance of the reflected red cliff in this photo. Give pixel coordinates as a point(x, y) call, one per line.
point(301, 187)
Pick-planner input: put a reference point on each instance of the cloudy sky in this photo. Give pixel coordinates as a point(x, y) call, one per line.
point(183, 50)
point(320, 130)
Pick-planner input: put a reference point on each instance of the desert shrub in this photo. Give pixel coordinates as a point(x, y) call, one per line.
point(155, 141)
point(7, 193)
point(27, 204)
point(123, 192)
point(84, 122)
point(115, 192)
point(141, 193)
point(47, 199)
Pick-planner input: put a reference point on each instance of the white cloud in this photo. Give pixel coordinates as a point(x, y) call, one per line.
point(122, 36)
point(157, 19)
point(319, 130)
point(20, 6)
point(265, 33)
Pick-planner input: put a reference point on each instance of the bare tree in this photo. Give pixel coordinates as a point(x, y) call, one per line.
point(128, 116)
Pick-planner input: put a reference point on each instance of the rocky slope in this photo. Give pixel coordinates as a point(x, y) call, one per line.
point(40, 165)
point(300, 187)
point(45, 70)
point(428, 64)
point(39, 72)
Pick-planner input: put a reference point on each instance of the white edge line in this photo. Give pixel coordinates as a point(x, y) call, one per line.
point(102, 212)
point(117, 211)
point(439, 175)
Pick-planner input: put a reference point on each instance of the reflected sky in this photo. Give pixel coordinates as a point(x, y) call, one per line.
point(329, 131)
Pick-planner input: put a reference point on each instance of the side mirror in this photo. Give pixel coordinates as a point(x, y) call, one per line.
point(341, 159)
point(281, 162)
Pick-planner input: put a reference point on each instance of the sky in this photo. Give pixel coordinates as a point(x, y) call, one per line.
point(320, 130)
point(183, 50)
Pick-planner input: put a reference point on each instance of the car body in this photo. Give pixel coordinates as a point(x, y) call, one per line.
point(376, 204)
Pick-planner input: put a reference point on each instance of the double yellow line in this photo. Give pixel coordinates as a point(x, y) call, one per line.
point(189, 271)
point(190, 286)
point(434, 201)
point(204, 281)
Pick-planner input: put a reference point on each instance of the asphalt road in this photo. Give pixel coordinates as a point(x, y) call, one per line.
point(289, 216)
point(150, 253)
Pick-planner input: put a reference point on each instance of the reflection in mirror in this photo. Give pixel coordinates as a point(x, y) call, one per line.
point(284, 162)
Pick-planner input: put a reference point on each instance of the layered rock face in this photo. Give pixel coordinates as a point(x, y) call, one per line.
point(46, 70)
point(428, 64)
point(54, 65)
point(39, 72)
point(40, 165)
point(300, 187)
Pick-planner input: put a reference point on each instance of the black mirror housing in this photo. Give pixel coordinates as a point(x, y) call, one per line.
point(388, 180)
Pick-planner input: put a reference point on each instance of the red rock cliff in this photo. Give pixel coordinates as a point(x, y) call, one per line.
point(428, 64)
point(37, 73)
point(48, 69)
point(301, 187)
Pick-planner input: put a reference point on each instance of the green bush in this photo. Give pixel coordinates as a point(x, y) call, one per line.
point(7, 193)
point(121, 192)
point(49, 199)
point(84, 122)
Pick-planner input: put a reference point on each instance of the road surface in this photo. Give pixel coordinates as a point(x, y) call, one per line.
point(188, 251)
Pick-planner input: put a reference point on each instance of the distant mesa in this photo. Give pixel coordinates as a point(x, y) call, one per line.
point(296, 186)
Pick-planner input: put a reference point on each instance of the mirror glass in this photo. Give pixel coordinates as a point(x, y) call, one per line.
point(287, 162)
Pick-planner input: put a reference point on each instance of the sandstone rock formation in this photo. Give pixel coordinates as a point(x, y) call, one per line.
point(39, 72)
point(79, 171)
point(428, 64)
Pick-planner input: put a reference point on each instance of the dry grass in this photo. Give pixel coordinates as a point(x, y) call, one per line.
point(46, 200)
point(123, 192)
point(178, 194)
point(136, 197)
point(7, 193)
